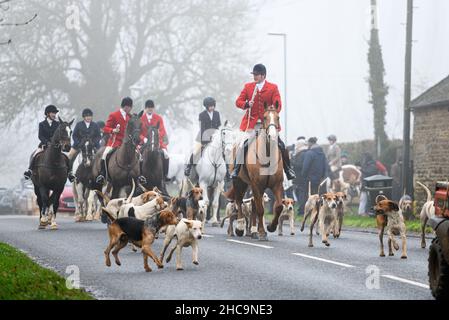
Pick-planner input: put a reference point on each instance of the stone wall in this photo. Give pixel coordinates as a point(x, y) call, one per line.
point(431, 148)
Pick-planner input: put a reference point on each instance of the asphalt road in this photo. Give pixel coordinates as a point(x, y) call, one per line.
point(282, 268)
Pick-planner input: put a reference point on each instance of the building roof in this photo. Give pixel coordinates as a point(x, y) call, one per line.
point(436, 96)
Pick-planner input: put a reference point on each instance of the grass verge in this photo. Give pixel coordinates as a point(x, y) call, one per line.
point(23, 279)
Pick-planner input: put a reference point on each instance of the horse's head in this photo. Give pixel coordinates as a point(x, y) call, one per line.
point(227, 138)
point(271, 121)
point(153, 138)
point(133, 129)
point(61, 138)
point(88, 152)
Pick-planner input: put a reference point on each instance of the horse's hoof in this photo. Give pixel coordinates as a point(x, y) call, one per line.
point(89, 218)
point(263, 237)
point(292, 234)
point(239, 233)
point(391, 254)
point(196, 263)
point(254, 236)
point(403, 257)
point(179, 269)
point(327, 244)
point(271, 228)
point(382, 255)
point(310, 245)
point(42, 226)
point(54, 227)
point(160, 266)
point(280, 234)
point(215, 225)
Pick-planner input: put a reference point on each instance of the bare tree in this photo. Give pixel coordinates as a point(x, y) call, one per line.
point(4, 7)
point(176, 51)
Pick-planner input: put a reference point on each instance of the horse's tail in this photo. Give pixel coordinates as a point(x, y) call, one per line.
point(128, 200)
point(104, 199)
point(109, 214)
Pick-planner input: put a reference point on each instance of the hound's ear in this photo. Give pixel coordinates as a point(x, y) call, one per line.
point(188, 223)
point(321, 201)
point(345, 196)
point(283, 201)
point(393, 206)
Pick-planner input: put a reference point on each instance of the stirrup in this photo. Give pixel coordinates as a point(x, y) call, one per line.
point(100, 179)
point(27, 174)
point(142, 180)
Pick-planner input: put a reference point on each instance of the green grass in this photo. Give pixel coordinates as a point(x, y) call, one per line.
point(23, 279)
point(352, 219)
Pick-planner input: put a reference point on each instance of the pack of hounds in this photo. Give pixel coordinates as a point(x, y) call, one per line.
point(139, 221)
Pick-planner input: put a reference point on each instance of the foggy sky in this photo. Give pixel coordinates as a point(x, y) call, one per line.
point(327, 61)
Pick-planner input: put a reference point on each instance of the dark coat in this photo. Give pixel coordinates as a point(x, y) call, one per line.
point(315, 165)
point(297, 164)
point(369, 169)
point(206, 123)
point(81, 133)
point(46, 132)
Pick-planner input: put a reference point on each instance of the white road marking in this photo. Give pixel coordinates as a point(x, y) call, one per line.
point(250, 244)
point(414, 283)
point(324, 260)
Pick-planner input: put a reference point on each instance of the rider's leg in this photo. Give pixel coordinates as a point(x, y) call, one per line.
point(102, 176)
point(27, 174)
point(239, 159)
point(196, 151)
point(70, 175)
point(165, 164)
point(289, 172)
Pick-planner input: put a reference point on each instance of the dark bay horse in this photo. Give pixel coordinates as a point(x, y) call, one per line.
point(152, 166)
point(123, 164)
point(82, 185)
point(262, 169)
point(50, 174)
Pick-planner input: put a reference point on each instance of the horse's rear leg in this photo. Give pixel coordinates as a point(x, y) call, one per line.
point(278, 193)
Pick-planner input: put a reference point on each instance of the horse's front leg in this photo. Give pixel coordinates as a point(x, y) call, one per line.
point(215, 204)
point(240, 189)
point(278, 193)
point(54, 207)
point(44, 198)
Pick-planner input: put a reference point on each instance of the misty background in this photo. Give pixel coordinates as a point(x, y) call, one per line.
point(178, 52)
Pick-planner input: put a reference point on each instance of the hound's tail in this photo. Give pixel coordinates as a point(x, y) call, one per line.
point(128, 200)
point(429, 194)
point(104, 199)
point(109, 214)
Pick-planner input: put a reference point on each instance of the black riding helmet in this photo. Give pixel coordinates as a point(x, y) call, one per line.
point(259, 69)
point(127, 102)
point(209, 102)
point(51, 109)
point(87, 113)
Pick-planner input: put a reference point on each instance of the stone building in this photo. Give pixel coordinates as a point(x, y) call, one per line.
point(431, 137)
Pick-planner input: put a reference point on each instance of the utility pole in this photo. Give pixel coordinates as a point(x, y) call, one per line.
point(284, 36)
point(406, 178)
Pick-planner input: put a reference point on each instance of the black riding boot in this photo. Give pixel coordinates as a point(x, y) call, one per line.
point(166, 166)
point(237, 166)
point(141, 178)
point(286, 161)
point(70, 175)
point(102, 176)
point(188, 167)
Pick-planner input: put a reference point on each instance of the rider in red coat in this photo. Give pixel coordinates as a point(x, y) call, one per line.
point(253, 98)
point(151, 119)
point(116, 127)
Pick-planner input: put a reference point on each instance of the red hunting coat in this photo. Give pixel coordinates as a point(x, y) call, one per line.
point(114, 119)
point(155, 121)
point(269, 94)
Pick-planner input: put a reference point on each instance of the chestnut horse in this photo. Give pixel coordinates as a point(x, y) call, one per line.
point(262, 169)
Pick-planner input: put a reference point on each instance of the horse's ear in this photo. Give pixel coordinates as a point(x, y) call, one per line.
point(277, 106)
point(140, 114)
point(226, 123)
point(71, 122)
point(265, 106)
point(60, 120)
